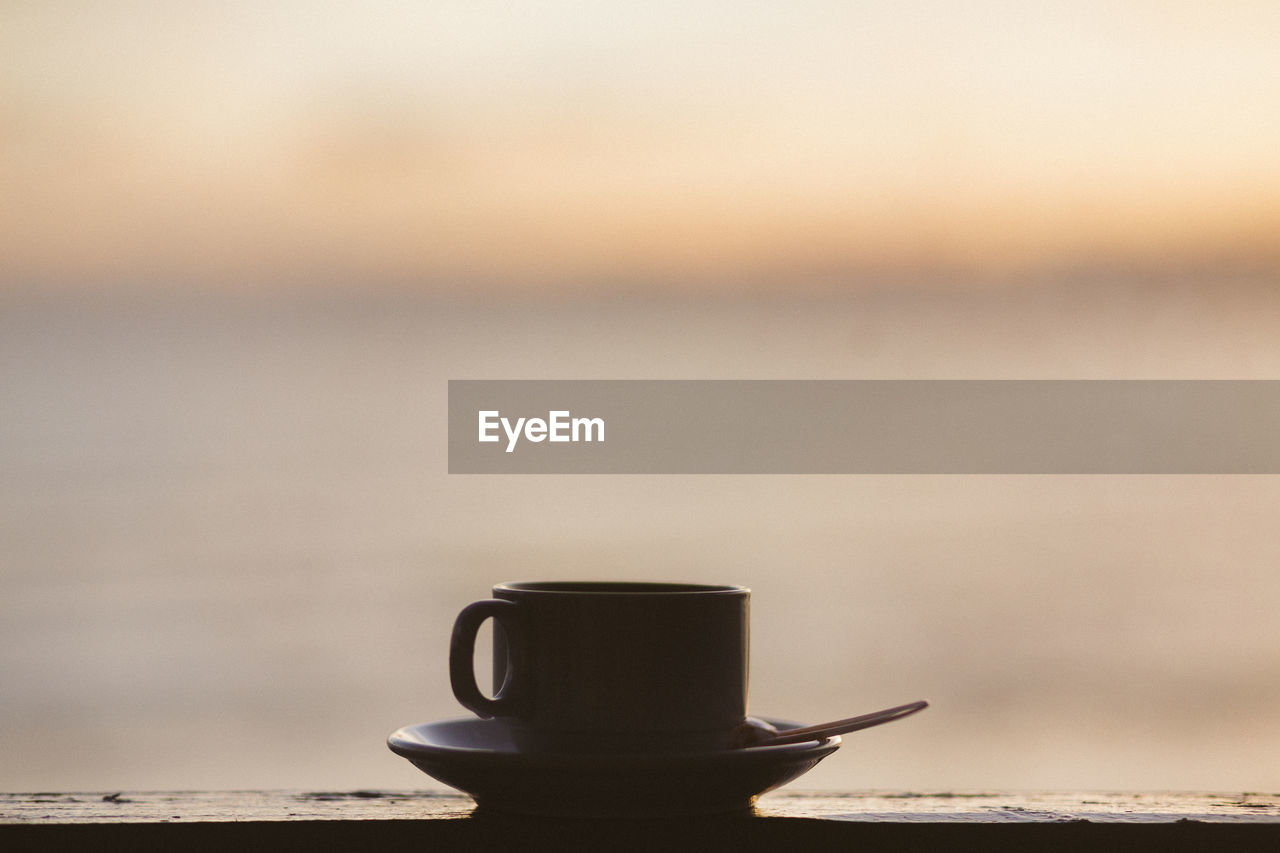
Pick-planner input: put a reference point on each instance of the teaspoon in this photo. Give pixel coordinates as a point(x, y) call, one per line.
point(756, 732)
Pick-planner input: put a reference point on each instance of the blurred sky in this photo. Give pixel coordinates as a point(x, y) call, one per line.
point(534, 145)
point(231, 514)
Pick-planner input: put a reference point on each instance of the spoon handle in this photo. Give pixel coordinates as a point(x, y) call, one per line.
point(840, 727)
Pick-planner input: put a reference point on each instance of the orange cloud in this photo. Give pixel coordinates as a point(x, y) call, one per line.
point(238, 152)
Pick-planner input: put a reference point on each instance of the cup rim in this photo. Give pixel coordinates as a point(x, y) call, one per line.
point(643, 588)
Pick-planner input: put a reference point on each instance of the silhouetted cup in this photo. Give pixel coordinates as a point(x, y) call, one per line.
point(604, 667)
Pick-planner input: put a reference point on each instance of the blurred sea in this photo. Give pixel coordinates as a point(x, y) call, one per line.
point(231, 554)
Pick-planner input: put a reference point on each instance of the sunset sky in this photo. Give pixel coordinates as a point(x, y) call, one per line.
point(230, 533)
point(439, 144)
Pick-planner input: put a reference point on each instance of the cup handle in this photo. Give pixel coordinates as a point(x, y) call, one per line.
point(462, 648)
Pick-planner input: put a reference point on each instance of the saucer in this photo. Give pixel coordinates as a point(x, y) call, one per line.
point(478, 757)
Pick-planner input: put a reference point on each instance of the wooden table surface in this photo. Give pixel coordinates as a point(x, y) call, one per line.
point(445, 820)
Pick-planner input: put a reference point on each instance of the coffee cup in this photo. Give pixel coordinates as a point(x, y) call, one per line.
point(609, 667)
